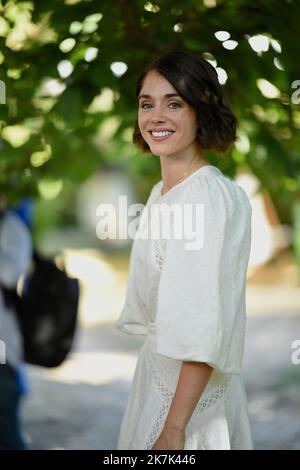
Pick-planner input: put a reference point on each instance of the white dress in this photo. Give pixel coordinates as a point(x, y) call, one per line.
point(190, 305)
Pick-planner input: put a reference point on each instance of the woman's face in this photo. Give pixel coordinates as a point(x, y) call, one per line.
point(167, 123)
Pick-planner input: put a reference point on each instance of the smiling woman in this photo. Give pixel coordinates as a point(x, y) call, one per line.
point(182, 111)
point(187, 392)
point(194, 83)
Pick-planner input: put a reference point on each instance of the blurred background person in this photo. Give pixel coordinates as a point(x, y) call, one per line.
point(15, 256)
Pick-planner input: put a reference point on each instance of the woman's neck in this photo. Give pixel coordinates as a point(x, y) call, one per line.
point(175, 170)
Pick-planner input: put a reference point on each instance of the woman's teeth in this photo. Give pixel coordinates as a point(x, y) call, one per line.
point(161, 134)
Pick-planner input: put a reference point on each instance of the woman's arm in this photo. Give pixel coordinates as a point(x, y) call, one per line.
point(192, 381)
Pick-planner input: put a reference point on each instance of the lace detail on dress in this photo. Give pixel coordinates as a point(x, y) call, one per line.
point(167, 397)
point(157, 256)
point(214, 397)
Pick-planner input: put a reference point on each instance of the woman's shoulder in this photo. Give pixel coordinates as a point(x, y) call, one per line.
point(214, 187)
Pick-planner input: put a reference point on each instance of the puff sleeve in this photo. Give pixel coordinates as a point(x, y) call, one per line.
point(201, 297)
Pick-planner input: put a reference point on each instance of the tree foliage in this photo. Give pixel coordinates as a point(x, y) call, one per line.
point(70, 108)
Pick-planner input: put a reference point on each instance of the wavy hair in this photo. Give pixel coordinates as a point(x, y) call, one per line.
point(196, 81)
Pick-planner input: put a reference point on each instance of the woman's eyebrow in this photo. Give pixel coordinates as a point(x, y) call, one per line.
point(167, 95)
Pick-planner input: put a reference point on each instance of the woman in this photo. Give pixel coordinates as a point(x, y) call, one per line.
point(187, 392)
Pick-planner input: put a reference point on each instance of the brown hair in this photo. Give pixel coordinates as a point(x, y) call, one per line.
point(196, 81)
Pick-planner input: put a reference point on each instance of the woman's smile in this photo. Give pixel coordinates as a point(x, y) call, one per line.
point(160, 136)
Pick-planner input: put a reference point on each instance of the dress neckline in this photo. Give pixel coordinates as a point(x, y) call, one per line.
point(203, 169)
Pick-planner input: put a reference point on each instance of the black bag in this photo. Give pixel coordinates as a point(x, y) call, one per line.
point(47, 312)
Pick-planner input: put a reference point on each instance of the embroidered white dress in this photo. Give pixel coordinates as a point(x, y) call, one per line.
point(190, 305)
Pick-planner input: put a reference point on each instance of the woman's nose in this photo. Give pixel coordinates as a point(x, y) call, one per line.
point(157, 115)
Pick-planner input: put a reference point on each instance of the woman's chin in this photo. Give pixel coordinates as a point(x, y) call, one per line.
point(161, 150)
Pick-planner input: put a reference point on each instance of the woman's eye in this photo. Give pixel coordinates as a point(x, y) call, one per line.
point(145, 105)
point(173, 105)
point(177, 105)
